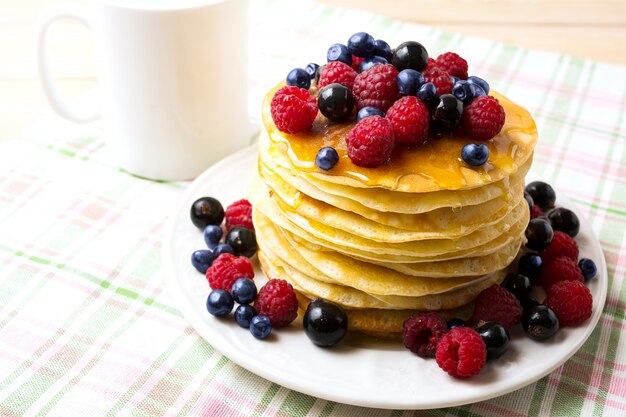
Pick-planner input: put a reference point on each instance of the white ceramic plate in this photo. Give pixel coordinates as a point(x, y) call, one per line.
point(358, 371)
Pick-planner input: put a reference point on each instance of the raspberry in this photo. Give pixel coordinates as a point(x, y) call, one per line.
point(226, 269)
point(461, 352)
point(239, 214)
point(370, 141)
point(278, 301)
point(559, 269)
point(421, 332)
point(376, 87)
point(356, 62)
point(337, 72)
point(409, 120)
point(453, 64)
point(499, 305)
point(536, 212)
point(571, 301)
point(483, 118)
point(293, 109)
point(440, 78)
point(562, 245)
point(431, 64)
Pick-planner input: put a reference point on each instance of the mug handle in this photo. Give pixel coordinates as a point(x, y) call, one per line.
point(59, 105)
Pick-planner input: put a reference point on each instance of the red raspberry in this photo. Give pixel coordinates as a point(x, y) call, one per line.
point(562, 245)
point(441, 79)
point(499, 305)
point(453, 64)
point(422, 331)
point(461, 352)
point(376, 87)
point(337, 72)
point(226, 269)
point(571, 301)
point(293, 109)
point(278, 301)
point(430, 65)
point(409, 120)
point(536, 212)
point(559, 269)
point(239, 214)
point(370, 141)
point(356, 62)
point(483, 118)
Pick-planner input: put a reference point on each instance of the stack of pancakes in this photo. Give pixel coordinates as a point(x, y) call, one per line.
point(423, 232)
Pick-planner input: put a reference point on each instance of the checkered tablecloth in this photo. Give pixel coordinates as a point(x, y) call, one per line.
point(89, 328)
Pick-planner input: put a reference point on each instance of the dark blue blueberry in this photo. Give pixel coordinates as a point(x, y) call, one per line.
point(212, 235)
point(244, 290)
point(244, 315)
point(472, 79)
point(462, 91)
point(202, 260)
point(369, 111)
point(335, 101)
point(299, 78)
point(242, 240)
point(454, 79)
point(220, 303)
point(539, 234)
point(564, 220)
point(588, 268)
point(477, 91)
point(339, 52)
point(447, 113)
point(361, 44)
point(222, 248)
point(260, 326)
point(409, 82)
point(410, 55)
point(542, 193)
point(452, 323)
point(475, 154)
point(326, 158)
point(311, 69)
point(530, 265)
point(517, 284)
point(427, 93)
point(370, 62)
point(205, 211)
point(382, 48)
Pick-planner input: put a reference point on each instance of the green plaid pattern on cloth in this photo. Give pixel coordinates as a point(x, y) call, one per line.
point(89, 328)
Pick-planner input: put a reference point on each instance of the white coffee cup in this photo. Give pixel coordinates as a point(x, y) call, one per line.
point(172, 81)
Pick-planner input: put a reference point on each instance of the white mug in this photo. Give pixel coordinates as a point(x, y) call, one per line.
point(172, 81)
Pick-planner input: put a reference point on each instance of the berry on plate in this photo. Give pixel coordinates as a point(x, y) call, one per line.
point(244, 290)
point(562, 245)
point(382, 48)
point(564, 220)
point(427, 93)
point(311, 69)
point(453, 64)
point(530, 264)
point(498, 305)
point(244, 315)
point(293, 109)
point(421, 333)
point(205, 211)
point(212, 235)
point(337, 72)
point(242, 240)
point(559, 269)
point(517, 284)
point(226, 269)
point(239, 213)
point(483, 118)
point(496, 338)
point(462, 90)
point(202, 259)
point(542, 193)
point(325, 323)
point(277, 300)
point(409, 82)
point(370, 142)
point(480, 83)
point(371, 62)
point(376, 87)
point(219, 303)
point(588, 268)
point(539, 234)
point(260, 326)
point(461, 352)
point(456, 322)
point(571, 301)
point(409, 120)
point(540, 322)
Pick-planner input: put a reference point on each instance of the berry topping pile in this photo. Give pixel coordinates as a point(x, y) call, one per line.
point(422, 97)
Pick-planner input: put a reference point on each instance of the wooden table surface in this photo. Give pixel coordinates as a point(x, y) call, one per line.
point(585, 28)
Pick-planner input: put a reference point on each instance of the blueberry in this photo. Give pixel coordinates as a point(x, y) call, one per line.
point(496, 338)
point(410, 55)
point(212, 235)
point(484, 86)
point(477, 91)
point(529, 200)
point(427, 93)
point(539, 234)
point(299, 78)
point(564, 220)
point(456, 322)
point(361, 44)
point(369, 111)
point(326, 158)
point(454, 79)
point(244, 314)
point(202, 260)
point(318, 72)
point(530, 265)
point(260, 326)
point(462, 91)
point(244, 291)
point(219, 302)
point(243, 241)
point(371, 62)
point(222, 248)
point(311, 69)
point(335, 101)
point(588, 268)
point(409, 82)
point(205, 211)
point(382, 48)
point(475, 154)
point(447, 113)
point(325, 323)
point(339, 52)
point(517, 284)
point(540, 322)
point(542, 193)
